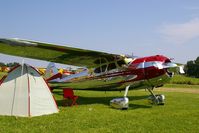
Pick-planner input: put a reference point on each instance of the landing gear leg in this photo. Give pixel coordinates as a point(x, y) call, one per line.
point(126, 91)
point(121, 103)
point(158, 99)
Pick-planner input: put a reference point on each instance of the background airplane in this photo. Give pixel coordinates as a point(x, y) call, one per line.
point(107, 71)
point(53, 74)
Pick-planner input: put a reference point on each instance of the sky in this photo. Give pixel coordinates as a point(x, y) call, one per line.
point(141, 27)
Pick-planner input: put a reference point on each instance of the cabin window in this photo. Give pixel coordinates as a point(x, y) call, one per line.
point(120, 63)
point(111, 66)
point(100, 69)
point(104, 68)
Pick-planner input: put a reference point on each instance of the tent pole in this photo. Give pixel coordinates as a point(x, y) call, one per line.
point(22, 63)
point(20, 84)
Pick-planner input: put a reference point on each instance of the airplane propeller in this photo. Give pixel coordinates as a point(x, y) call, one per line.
point(170, 65)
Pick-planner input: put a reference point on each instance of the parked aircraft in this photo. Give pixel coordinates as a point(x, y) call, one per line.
point(104, 70)
point(53, 74)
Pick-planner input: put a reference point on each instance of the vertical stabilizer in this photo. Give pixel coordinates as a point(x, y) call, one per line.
point(51, 70)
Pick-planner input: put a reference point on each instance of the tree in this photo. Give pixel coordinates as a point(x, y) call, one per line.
point(197, 61)
point(192, 68)
point(12, 64)
point(2, 64)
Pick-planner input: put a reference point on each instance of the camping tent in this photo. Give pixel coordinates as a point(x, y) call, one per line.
point(25, 93)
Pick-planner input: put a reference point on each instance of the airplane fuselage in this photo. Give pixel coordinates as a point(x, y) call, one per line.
point(138, 72)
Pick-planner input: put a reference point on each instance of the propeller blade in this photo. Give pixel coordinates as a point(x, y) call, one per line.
point(160, 65)
point(170, 65)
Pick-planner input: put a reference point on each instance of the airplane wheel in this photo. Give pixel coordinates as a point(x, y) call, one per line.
point(120, 103)
point(159, 100)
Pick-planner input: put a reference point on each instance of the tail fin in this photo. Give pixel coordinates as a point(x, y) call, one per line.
point(51, 70)
point(85, 72)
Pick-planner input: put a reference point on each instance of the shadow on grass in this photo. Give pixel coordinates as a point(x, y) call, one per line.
point(138, 106)
point(105, 100)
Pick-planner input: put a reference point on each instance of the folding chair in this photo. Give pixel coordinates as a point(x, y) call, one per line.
point(69, 94)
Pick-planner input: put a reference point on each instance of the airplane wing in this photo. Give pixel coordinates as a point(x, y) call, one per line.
point(54, 53)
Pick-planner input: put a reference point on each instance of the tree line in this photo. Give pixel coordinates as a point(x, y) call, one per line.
point(192, 68)
point(8, 64)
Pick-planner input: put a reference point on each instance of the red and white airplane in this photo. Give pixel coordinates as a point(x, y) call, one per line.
point(105, 71)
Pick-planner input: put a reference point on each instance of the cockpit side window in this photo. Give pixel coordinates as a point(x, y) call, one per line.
point(100, 69)
point(111, 66)
point(120, 63)
point(104, 68)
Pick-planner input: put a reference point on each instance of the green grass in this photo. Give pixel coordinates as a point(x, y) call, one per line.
point(181, 79)
point(93, 114)
point(181, 86)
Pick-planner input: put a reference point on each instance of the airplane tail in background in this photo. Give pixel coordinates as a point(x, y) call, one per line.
point(53, 75)
point(85, 72)
point(51, 72)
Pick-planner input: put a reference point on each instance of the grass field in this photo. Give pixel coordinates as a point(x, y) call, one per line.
point(181, 79)
point(93, 114)
point(181, 86)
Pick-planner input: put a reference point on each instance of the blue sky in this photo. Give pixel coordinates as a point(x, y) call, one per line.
point(144, 27)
